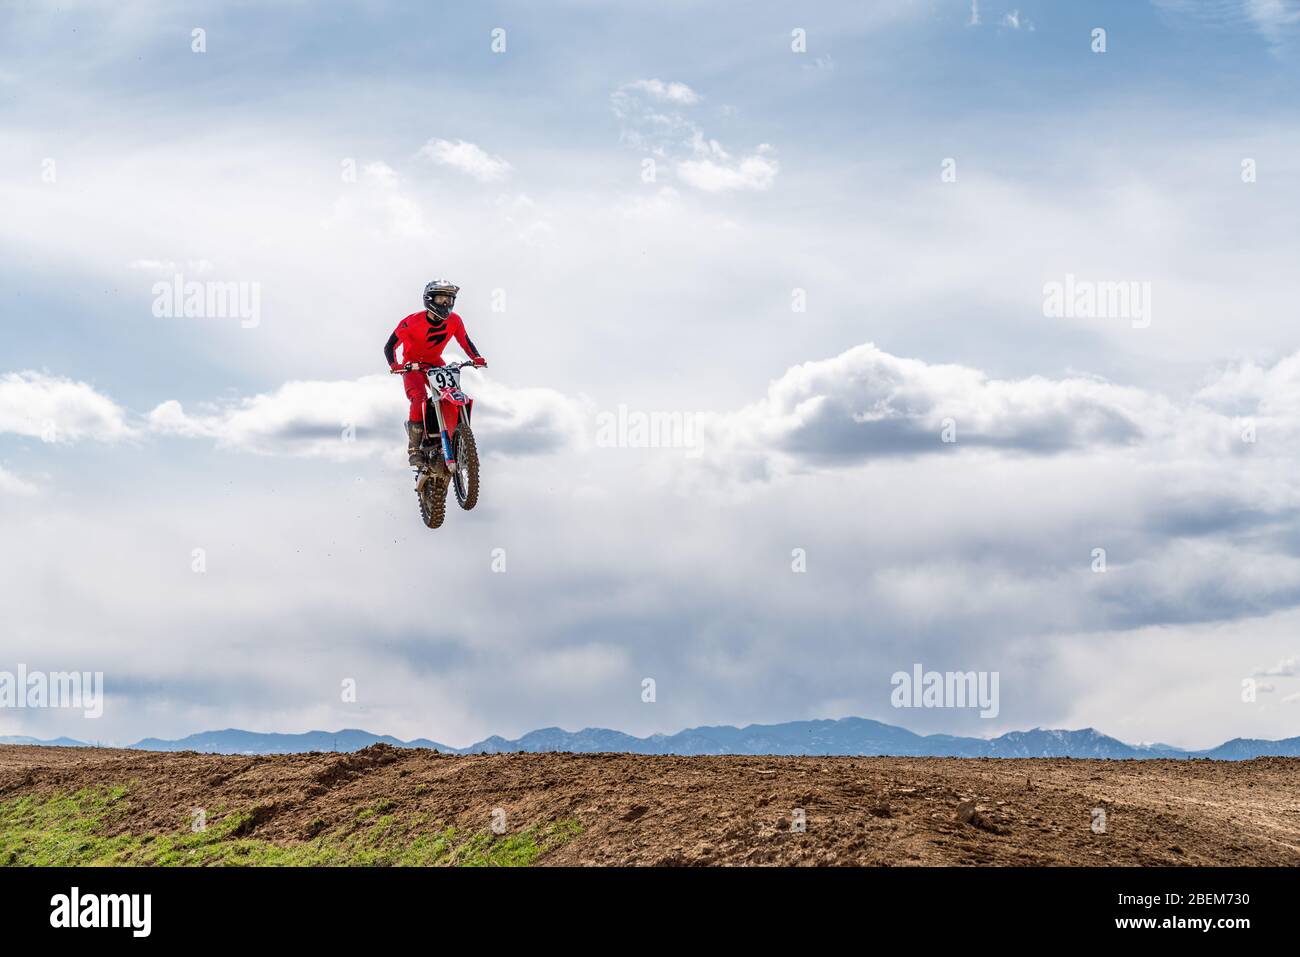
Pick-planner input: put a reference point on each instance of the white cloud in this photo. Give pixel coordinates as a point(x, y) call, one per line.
point(1274, 20)
point(663, 205)
point(866, 404)
point(1272, 391)
point(350, 419)
point(11, 484)
point(529, 221)
point(1286, 668)
point(974, 13)
point(329, 419)
point(1273, 17)
point(666, 92)
point(698, 161)
point(468, 158)
point(341, 419)
point(715, 170)
point(161, 266)
point(756, 172)
point(1017, 22)
point(57, 410)
point(376, 205)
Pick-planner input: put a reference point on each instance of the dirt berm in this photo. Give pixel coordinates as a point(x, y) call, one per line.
point(393, 806)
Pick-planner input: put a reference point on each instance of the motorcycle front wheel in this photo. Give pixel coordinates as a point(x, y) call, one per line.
point(465, 479)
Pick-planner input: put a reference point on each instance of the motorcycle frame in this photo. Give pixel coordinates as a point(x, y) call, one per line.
point(436, 401)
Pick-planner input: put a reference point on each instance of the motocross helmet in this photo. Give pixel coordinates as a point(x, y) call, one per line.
point(440, 296)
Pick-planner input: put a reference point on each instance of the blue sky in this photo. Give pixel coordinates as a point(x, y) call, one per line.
point(129, 440)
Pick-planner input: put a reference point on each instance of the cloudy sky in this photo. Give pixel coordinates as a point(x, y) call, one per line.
point(825, 238)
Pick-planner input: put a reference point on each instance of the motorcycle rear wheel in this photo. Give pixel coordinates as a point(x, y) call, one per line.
point(433, 501)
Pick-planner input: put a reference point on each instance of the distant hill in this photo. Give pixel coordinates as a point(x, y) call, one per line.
point(1240, 749)
point(50, 743)
point(846, 736)
point(235, 741)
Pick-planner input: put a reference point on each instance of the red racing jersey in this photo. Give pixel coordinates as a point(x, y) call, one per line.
point(423, 340)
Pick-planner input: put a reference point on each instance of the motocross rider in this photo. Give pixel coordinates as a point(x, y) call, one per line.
point(422, 336)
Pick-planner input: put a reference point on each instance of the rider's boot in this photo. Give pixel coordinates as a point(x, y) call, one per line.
point(414, 436)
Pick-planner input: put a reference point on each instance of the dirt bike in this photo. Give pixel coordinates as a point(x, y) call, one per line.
point(437, 448)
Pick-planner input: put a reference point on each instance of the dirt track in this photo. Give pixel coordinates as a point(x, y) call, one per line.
point(728, 810)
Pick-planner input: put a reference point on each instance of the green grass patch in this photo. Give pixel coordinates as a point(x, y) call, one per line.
point(72, 829)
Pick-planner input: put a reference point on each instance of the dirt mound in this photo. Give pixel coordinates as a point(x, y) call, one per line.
point(350, 766)
point(631, 809)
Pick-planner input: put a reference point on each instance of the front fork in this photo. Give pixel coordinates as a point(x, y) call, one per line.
point(442, 428)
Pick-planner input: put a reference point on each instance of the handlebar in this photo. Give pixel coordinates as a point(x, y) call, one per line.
point(426, 367)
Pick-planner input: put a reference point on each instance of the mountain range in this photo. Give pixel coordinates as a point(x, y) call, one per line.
point(846, 736)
